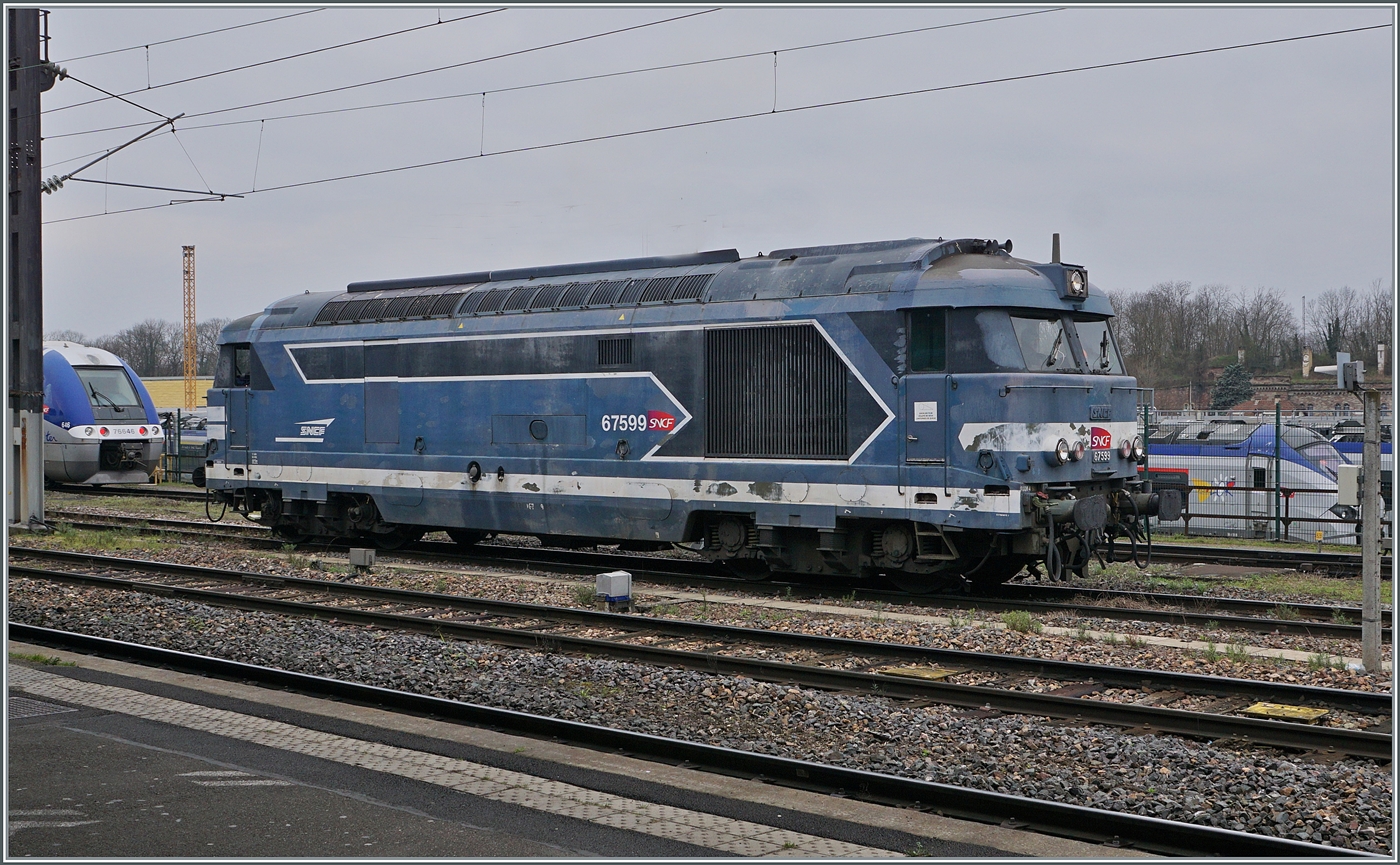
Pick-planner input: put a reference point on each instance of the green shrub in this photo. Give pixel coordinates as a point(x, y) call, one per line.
point(1020, 620)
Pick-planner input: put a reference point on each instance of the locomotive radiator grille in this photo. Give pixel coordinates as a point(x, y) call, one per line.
point(777, 391)
point(615, 352)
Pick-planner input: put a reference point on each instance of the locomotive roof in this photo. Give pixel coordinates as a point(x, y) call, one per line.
point(937, 272)
point(82, 355)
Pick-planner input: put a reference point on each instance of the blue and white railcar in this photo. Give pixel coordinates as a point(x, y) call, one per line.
point(926, 409)
point(100, 425)
point(1226, 471)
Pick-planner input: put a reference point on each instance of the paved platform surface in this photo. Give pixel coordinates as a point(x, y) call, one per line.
point(108, 759)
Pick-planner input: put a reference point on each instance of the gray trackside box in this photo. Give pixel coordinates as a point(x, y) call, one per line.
point(615, 586)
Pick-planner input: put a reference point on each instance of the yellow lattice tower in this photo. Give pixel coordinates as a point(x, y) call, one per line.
point(191, 346)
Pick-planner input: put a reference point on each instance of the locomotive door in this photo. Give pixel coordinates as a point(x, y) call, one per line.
point(924, 430)
point(1260, 495)
point(237, 406)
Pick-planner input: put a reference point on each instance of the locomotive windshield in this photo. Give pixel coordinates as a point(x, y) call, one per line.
point(995, 340)
point(1100, 354)
point(1314, 448)
point(110, 391)
point(1044, 344)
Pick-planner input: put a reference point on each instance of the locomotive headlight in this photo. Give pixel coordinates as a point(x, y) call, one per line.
point(1078, 286)
point(1125, 449)
point(1061, 452)
point(87, 431)
point(1076, 451)
point(1139, 452)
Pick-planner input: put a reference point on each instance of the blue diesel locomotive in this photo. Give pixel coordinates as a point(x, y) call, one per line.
point(100, 425)
point(933, 410)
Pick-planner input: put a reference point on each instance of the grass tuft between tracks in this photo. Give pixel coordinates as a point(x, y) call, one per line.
point(48, 660)
point(65, 537)
point(1020, 620)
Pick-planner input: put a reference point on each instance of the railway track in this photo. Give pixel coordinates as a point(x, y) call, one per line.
point(1150, 834)
point(1328, 563)
point(149, 491)
point(1312, 620)
point(1325, 563)
point(728, 649)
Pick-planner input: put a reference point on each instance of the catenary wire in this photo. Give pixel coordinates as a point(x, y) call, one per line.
point(464, 63)
point(190, 36)
point(792, 110)
point(818, 105)
point(558, 81)
point(275, 60)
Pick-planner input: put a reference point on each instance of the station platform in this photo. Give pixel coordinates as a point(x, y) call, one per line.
point(110, 759)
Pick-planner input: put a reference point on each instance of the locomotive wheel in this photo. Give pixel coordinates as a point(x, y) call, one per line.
point(398, 538)
point(466, 537)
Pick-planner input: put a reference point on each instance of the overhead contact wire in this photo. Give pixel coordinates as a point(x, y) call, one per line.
point(436, 69)
point(270, 61)
point(840, 102)
point(795, 109)
point(559, 81)
point(190, 36)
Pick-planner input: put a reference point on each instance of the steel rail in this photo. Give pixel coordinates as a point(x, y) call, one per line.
point(1348, 563)
point(1151, 834)
point(152, 491)
point(1176, 617)
point(703, 573)
point(1280, 734)
point(1309, 611)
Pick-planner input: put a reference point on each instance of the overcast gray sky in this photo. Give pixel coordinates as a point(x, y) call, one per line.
point(1266, 166)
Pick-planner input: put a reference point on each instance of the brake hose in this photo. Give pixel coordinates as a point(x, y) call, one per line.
point(1052, 551)
point(1137, 521)
point(211, 517)
point(990, 546)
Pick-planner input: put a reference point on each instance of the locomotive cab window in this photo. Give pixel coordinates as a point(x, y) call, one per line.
point(1100, 353)
point(1044, 344)
point(235, 365)
point(928, 346)
point(110, 392)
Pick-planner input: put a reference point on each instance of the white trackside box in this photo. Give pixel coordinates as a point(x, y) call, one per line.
point(615, 587)
point(1349, 485)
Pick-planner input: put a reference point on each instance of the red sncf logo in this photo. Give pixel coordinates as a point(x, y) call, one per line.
point(1100, 438)
point(659, 420)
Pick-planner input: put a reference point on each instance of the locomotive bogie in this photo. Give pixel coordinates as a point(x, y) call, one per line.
point(904, 407)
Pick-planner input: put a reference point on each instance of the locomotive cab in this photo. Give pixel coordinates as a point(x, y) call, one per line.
point(100, 425)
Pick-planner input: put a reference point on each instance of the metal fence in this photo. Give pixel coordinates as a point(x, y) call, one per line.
point(184, 449)
point(1243, 474)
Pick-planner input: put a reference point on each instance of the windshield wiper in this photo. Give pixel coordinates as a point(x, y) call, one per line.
point(97, 394)
point(1104, 362)
point(1055, 349)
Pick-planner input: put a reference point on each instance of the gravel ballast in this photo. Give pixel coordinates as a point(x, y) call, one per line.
point(1344, 803)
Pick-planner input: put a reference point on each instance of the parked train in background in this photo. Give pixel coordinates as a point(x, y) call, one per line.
point(935, 411)
point(100, 425)
point(1225, 468)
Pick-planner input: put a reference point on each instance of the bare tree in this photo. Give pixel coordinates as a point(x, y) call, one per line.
point(1170, 333)
point(1264, 326)
point(1334, 317)
point(66, 336)
point(207, 342)
point(152, 347)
